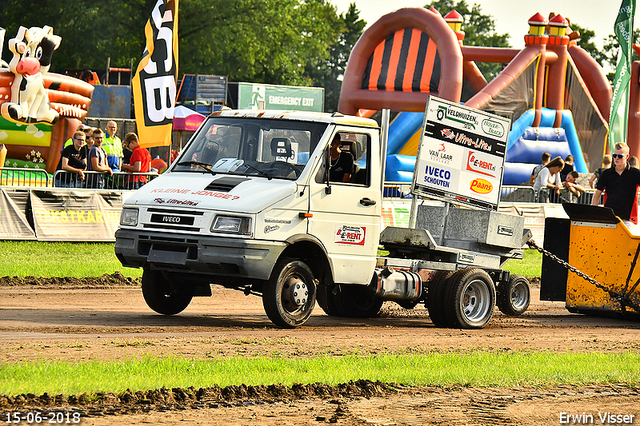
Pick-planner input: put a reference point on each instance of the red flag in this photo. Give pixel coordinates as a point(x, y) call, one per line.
point(154, 85)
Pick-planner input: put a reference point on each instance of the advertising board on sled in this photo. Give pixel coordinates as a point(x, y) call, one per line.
point(461, 154)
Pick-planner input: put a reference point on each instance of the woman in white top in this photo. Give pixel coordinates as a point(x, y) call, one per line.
point(548, 179)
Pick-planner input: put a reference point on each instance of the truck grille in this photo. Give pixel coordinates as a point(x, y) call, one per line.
point(182, 220)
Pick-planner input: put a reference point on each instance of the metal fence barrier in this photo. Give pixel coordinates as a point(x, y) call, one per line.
point(12, 176)
point(101, 180)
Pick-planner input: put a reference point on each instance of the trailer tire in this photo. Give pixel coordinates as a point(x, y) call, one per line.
point(435, 298)
point(470, 298)
point(290, 294)
point(355, 301)
point(513, 297)
point(161, 296)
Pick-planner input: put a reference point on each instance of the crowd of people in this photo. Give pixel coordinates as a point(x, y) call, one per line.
point(618, 180)
point(104, 153)
point(560, 177)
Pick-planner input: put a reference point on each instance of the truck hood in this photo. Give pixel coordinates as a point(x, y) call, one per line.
point(233, 193)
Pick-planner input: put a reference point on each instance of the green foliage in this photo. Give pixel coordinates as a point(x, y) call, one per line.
point(433, 369)
point(479, 29)
point(47, 260)
point(327, 72)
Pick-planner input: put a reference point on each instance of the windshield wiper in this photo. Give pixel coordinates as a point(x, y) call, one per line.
point(260, 172)
point(205, 166)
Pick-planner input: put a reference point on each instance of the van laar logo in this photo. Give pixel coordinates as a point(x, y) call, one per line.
point(481, 186)
point(493, 128)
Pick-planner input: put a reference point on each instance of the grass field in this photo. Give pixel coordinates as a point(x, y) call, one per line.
point(95, 259)
point(467, 369)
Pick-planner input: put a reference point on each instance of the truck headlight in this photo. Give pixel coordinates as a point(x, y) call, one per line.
point(129, 217)
point(232, 225)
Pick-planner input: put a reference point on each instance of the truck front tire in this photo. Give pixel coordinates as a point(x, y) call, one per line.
point(290, 294)
point(161, 295)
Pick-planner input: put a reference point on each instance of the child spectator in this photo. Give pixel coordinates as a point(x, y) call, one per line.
point(140, 162)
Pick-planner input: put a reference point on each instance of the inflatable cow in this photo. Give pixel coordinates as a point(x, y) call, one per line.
point(32, 50)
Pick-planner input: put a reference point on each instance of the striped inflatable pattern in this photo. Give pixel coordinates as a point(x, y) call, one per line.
point(406, 61)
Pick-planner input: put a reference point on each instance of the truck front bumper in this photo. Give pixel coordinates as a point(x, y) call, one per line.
point(232, 257)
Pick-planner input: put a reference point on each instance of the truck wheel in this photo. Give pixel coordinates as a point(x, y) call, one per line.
point(470, 298)
point(290, 295)
point(327, 300)
point(354, 301)
point(513, 296)
point(161, 296)
point(435, 298)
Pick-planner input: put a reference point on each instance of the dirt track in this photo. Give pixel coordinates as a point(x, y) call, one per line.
point(93, 320)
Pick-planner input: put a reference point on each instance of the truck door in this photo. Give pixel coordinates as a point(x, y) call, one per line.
point(347, 220)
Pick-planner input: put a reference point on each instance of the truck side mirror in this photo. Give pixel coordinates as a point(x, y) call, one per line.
point(327, 171)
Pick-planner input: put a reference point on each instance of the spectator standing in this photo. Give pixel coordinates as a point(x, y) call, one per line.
point(113, 147)
point(140, 162)
point(633, 161)
point(546, 157)
point(570, 185)
point(620, 186)
point(97, 162)
point(568, 167)
point(548, 179)
point(606, 163)
point(70, 141)
point(74, 162)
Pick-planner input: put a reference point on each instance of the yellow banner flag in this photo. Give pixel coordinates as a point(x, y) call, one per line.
point(154, 84)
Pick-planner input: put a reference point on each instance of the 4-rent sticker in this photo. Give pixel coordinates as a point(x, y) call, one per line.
point(348, 234)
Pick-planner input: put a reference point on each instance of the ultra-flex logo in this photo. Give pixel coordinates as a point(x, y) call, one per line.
point(461, 138)
point(469, 121)
point(347, 234)
point(479, 163)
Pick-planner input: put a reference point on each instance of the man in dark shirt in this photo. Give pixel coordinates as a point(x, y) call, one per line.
point(620, 186)
point(73, 163)
point(341, 162)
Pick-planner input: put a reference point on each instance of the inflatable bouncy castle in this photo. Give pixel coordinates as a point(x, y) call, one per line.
point(39, 110)
point(556, 94)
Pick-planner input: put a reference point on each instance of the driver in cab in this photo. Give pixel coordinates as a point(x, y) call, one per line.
point(341, 163)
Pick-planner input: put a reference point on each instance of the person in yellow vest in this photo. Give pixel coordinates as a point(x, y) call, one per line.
point(113, 147)
point(81, 128)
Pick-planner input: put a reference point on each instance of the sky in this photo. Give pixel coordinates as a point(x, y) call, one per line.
point(510, 16)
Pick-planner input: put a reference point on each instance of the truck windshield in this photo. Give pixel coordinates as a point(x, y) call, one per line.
point(250, 146)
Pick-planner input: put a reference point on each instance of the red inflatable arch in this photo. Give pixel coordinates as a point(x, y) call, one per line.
point(403, 57)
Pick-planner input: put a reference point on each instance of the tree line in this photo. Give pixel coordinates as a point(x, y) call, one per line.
point(290, 42)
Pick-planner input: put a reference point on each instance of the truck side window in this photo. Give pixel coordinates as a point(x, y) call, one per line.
point(354, 148)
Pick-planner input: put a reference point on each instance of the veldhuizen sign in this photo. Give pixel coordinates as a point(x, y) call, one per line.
point(461, 154)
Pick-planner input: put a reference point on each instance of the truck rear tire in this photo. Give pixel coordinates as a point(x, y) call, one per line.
point(470, 298)
point(161, 295)
point(355, 301)
point(513, 297)
point(290, 294)
point(435, 298)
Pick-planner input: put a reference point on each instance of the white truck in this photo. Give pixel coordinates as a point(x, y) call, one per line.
point(249, 205)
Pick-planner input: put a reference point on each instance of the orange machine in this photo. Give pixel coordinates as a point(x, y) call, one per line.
point(596, 242)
